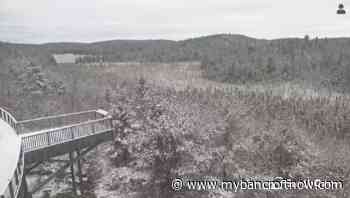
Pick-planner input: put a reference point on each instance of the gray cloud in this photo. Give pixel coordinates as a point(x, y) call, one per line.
point(91, 20)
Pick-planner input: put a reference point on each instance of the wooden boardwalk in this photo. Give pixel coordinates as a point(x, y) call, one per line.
point(47, 137)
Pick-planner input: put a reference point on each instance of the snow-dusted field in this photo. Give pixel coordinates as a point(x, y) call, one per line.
point(188, 74)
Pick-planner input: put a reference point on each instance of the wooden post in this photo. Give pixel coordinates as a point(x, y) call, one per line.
point(113, 129)
point(16, 177)
point(72, 172)
point(26, 189)
point(93, 128)
point(80, 172)
point(12, 194)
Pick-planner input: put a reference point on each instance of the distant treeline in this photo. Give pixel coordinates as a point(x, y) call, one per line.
point(225, 57)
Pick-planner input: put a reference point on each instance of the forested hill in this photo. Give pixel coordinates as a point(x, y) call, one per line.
point(36, 54)
point(225, 57)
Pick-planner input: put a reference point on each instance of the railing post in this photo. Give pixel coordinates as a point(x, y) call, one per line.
point(71, 132)
point(93, 128)
point(48, 138)
point(111, 122)
point(15, 127)
point(111, 126)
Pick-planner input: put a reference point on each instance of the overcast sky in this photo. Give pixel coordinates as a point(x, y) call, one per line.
point(40, 21)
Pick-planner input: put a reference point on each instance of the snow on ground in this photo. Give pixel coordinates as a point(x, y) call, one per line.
point(10, 145)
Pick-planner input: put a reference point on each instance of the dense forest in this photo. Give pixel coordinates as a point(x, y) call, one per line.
point(228, 58)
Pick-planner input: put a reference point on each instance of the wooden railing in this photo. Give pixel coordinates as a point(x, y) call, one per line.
point(52, 130)
point(14, 187)
point(8, 118)
point(56, 121)
point(49, 137)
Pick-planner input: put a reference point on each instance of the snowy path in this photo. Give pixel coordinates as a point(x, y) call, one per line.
point(10, 145)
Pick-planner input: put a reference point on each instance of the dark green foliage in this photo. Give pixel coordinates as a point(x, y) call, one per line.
point(318, 62)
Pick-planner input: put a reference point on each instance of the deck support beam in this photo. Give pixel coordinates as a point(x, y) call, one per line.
point(71, 158)
point(39, 186)
point(26, 189)
point(80, 172)
point(27, 170)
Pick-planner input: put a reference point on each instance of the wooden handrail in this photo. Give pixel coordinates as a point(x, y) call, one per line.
point(8, 118)
point(52, 136)
point(102, 112)
point(61, 128)
point(64, 134)
point(56, 116)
